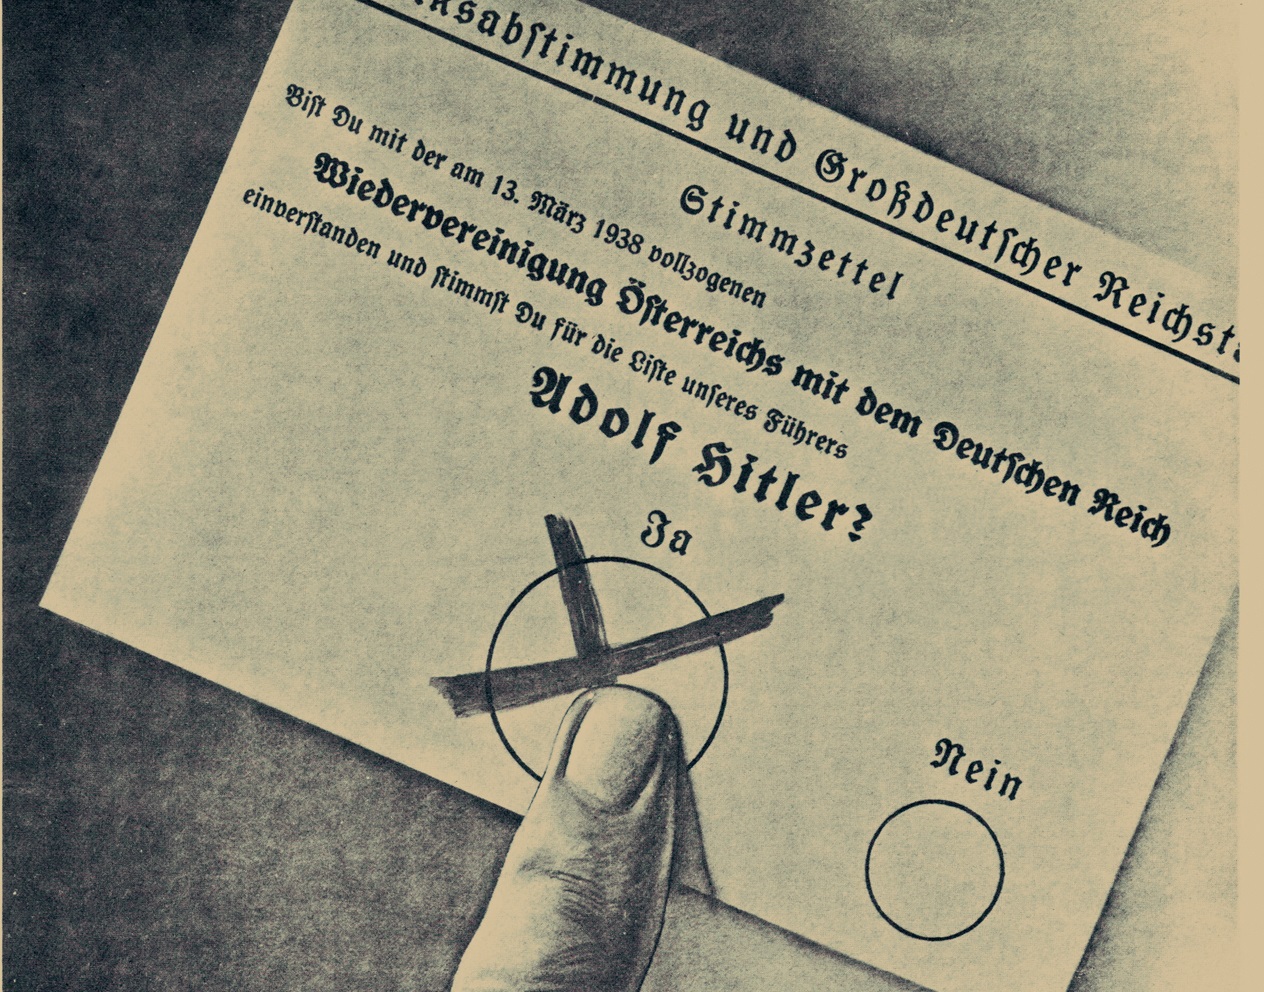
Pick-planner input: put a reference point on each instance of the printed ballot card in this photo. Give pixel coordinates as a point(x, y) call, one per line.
point(521, 350)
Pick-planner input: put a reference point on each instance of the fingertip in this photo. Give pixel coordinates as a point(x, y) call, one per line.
point(623, 736)
point(580, 901)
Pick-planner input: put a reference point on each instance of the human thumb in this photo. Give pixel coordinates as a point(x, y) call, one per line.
point(580, 900)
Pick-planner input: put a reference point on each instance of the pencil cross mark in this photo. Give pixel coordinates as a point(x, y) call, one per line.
point(595, 662)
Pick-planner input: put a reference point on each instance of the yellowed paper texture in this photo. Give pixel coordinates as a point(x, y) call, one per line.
point(954, 474)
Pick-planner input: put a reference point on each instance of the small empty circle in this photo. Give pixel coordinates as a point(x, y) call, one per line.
point(934, 869)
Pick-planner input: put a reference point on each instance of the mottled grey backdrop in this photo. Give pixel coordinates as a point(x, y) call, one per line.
point(163, 832)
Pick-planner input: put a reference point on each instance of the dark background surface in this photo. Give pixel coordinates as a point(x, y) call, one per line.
point(163, 832)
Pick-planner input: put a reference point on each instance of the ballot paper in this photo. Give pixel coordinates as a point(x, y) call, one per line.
point(515, 335)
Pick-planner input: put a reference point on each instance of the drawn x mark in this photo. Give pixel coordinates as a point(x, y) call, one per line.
point(595, 662)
